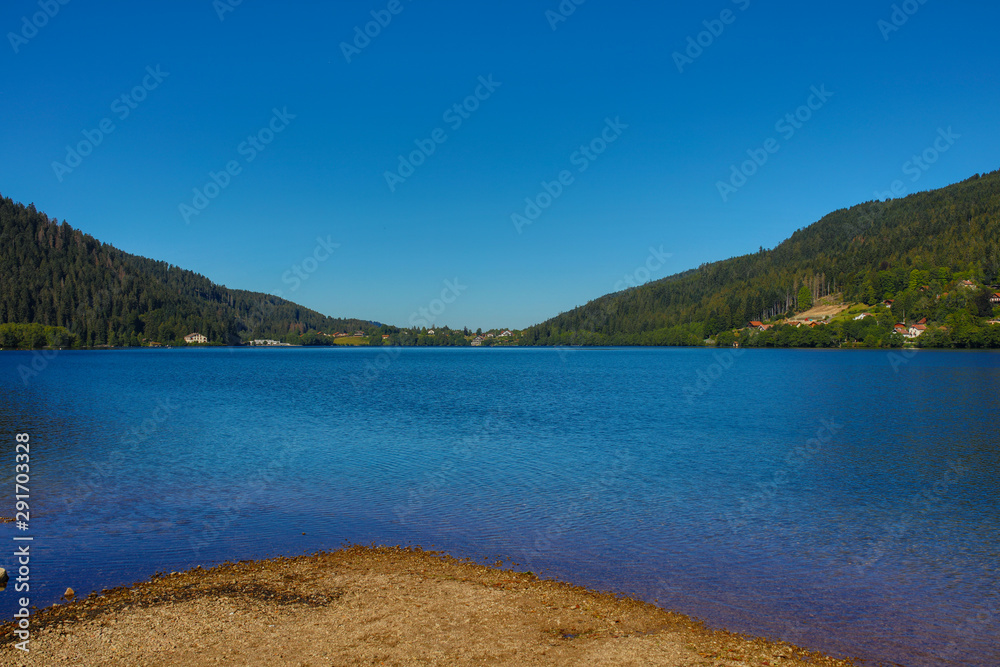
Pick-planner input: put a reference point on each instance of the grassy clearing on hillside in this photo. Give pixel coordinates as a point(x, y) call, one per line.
point(350, 340)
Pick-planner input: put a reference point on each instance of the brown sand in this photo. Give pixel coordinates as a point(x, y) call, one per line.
point(375, 606)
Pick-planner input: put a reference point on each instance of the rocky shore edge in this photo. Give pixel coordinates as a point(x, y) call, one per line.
point(377, 605)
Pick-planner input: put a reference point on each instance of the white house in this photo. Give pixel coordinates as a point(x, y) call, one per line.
point(915, 330)
point(195, 338)
point(506, 333)
point(863, 316)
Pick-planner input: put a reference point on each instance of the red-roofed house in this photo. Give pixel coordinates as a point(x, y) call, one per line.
point(995, 299)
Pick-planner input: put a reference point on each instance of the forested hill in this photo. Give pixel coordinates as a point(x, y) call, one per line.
point(879, 250)
point(54, 275)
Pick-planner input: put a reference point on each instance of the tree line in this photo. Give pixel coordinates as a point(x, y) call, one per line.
point(907, 250)
point(56, 276)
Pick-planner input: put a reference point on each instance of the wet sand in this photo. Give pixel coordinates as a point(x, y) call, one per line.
point(376, 606)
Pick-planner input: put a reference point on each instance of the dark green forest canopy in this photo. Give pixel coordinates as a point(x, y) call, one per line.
point(907, 249)
point(56, 276)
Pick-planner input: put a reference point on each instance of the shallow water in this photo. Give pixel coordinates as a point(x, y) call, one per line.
point(847, 501)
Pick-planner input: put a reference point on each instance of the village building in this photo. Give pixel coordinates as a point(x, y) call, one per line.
point(195, 338)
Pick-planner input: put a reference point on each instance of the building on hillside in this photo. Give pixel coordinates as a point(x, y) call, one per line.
point(968, 284)
point(901, 329)
point(477, 341)
point(995, 298)
point(506, 332)
point(863, 316)
point(195, 338)
point(915, 330)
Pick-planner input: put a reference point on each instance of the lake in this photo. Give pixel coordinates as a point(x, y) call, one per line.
point(846, 501)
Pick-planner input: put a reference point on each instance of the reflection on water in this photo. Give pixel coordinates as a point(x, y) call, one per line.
point(823, 497)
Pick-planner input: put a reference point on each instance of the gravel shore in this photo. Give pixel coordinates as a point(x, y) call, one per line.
point(376, 606)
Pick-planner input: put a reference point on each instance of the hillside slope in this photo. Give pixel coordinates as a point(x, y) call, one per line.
point(910, 250)
point(57, 276)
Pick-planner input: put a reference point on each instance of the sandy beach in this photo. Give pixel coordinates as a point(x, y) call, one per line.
point(376, 606)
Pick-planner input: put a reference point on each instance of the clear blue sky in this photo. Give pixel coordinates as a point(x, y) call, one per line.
point(323, 174)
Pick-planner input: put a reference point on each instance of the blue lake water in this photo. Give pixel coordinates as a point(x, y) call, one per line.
point(844, 501)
